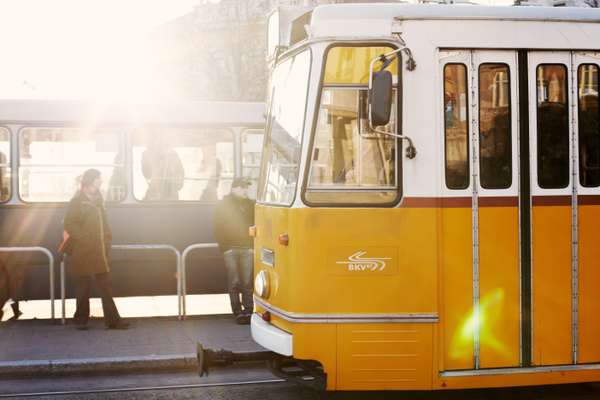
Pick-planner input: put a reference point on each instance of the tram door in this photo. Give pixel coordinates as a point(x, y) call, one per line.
point(480, 220)
point(565, 260)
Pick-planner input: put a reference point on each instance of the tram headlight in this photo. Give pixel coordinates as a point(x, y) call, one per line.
point(261, 284)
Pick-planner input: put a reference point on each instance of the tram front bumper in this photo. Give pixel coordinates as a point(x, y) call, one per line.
point(271, 337)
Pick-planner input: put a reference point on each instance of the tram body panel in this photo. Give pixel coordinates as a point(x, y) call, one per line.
point(551, 273)
point(385, 356)
point(586, 68)
point(456, 258)
point(589, 273)
point(377, 235)
point(499, 286)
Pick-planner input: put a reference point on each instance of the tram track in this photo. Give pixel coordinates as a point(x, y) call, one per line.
point(142, 388)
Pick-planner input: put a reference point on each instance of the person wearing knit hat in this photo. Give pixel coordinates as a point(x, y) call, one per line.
point(90, 239)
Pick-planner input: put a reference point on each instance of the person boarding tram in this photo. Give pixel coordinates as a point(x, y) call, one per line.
point(88, 244)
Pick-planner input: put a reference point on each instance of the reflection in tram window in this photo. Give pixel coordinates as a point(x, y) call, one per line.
point(279, 169)
point(589, 126)
point(456, 130)
point(182, 164)
point(4, 165)
point(51, 161)
point(252, 141)
point(347, 155)
point(552, 126)
point(495, 126)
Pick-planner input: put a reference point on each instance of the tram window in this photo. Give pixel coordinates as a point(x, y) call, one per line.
point(589, 126)
point(495, 151)
point(252, 141)
point(283, 138)
point(456, 131)
point(4, 165)
point(552, 126)
point(347, 155)
point(182, 164)
point(51, 161)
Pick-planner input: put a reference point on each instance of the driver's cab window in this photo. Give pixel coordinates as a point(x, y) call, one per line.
point(352, 163)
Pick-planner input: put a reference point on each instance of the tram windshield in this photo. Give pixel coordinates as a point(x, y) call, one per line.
point(351, 163)
point(281, 157)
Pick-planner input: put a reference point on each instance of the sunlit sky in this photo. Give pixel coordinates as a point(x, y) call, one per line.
point(95, 49)
point(87, 49)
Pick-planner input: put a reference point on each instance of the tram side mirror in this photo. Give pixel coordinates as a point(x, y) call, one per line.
point(380, 98)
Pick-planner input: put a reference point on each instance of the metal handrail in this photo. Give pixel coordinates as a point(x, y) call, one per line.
point(48, 253)
point(135, 247)
point(184, 255)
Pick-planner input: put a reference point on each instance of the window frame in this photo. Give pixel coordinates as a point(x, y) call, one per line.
point(510, 123)
point(398, 127)
point(567, 94)
point(579, 131)
point(9, 164)
point(131, 133)
point(120, 130)
point(263, 159)
point(467, 107)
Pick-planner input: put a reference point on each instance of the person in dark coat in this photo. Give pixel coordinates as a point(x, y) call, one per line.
point(233, 216)
point(90, 236)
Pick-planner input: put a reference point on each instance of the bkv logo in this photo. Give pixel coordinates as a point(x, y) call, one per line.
point(356, 262)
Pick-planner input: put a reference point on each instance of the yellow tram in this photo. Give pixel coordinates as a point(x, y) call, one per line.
point(454, 242)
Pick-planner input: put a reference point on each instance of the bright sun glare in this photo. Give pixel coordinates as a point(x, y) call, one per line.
point(95, 50)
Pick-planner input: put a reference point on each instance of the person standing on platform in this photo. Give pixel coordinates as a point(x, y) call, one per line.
point(90, 239)
point(233, 217)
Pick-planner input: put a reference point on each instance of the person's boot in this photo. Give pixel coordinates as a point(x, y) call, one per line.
point(16, 312)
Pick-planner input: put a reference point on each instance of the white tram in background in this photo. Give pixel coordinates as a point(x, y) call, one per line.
point(46, 145)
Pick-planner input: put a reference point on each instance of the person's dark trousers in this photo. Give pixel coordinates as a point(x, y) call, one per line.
point(239, 265)
point(82, 314)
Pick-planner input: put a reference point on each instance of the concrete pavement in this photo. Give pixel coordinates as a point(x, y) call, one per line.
point(40, 347)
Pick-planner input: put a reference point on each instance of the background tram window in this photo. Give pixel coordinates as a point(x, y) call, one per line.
point(252, 141)
point(182, 164)
point(552, 126)
point(51, 161)
point(589, 126)
point(456, 131)
point(4, 165)
point(495, 156)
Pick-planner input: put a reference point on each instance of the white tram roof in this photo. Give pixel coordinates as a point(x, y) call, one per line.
point(378, 19)
point(218, 114)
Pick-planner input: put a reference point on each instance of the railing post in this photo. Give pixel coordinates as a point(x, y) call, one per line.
point(184, 255)
point(63, 262)
point(160, 247)
point(50, 266)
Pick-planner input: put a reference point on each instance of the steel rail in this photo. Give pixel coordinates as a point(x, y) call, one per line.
point(186, 252)
point(144, 388)
point(48, 254)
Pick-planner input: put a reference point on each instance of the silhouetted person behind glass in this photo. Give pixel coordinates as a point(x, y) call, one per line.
point(163, 171)
point(4, 181)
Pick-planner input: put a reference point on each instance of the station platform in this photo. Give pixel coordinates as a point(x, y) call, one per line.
point(46, 347)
